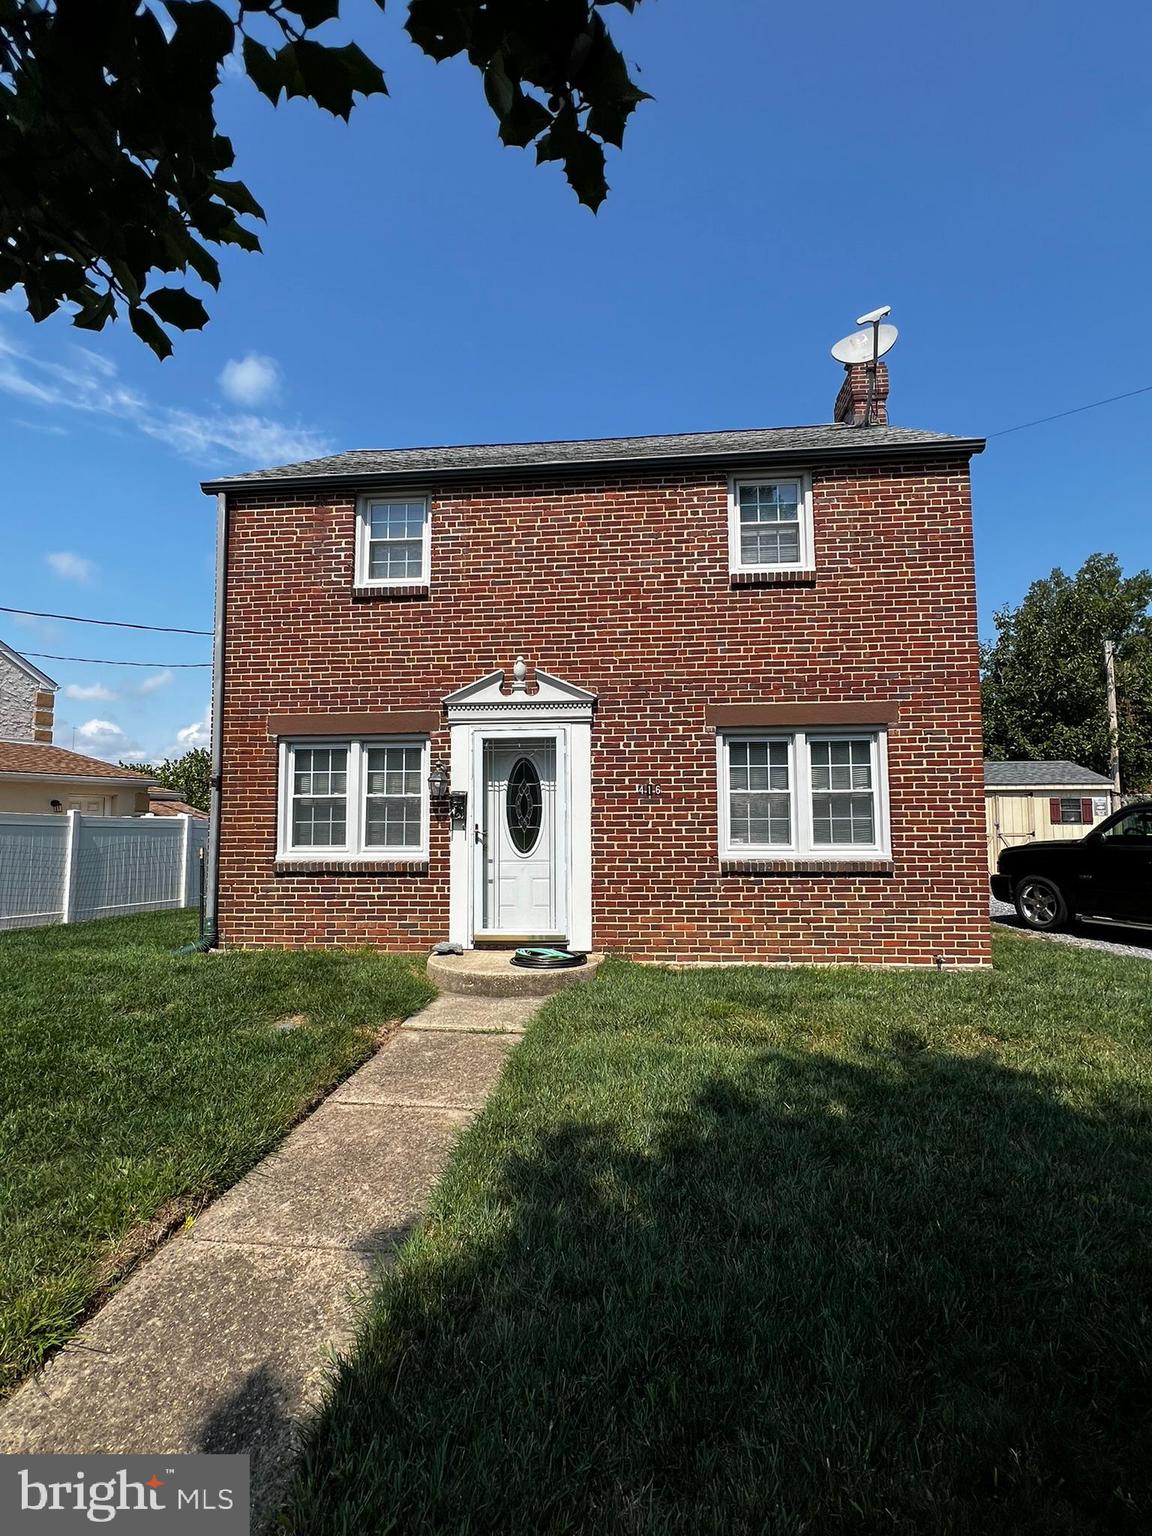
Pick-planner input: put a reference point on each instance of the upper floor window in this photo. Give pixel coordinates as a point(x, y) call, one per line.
point(816, 793)
point(354, 799)
point(770, 524)
point(392, 541)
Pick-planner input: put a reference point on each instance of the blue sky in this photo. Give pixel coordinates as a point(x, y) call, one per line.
point(982, 169)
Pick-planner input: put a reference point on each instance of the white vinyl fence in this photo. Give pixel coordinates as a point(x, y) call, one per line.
point(70, 868)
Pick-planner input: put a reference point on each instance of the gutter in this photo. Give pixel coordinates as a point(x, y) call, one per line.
point(952, 448)
point(91, 780)
point(209, 912)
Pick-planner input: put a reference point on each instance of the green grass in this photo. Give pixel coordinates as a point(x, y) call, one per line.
point(752, 1251)
point(134, 1085)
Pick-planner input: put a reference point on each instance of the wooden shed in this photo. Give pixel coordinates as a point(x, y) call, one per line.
point(1044, 799)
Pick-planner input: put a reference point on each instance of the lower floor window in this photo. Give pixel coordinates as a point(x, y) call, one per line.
point(803, 792)
point(355, 799)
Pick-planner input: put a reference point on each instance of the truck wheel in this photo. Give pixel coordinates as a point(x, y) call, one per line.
point(1040, 904)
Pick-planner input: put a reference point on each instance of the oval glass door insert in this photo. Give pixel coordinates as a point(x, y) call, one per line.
point(524, 806)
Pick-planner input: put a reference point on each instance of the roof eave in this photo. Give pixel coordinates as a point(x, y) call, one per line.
point(52, 775)
point(948, 448)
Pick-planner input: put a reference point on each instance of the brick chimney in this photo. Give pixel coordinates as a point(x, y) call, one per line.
point(852, 401)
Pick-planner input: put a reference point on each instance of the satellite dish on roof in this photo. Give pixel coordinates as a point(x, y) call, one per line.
point(866, 346)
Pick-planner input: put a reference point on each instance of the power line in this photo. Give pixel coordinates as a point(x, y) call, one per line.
point(108, 661)
point(71, 618)
point(1075, 411)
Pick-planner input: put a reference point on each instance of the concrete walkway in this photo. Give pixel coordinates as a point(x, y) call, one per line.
point(220, 1341)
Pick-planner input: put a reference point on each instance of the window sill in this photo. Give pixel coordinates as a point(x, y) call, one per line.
point(407, 590)
point(337, 866)
point(807, 866)
point(783, 578)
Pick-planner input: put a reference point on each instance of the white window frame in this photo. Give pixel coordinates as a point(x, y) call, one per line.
point(807, 556)
point(363, 542)
point(802, 844)
point(354, 846)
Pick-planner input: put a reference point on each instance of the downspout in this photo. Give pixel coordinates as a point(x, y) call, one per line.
point(209, 926)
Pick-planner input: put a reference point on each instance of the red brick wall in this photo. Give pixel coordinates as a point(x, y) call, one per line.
point(620, 584)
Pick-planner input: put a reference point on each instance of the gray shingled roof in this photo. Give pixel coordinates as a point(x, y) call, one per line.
point(1047, 773)
point(829, 441)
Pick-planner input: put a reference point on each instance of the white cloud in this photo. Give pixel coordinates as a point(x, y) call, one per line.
point(251, 380)
point(91, 385)
point(103, 738)
point(88, 691)
point(198, 734)
point(50, 427)
point(69, 566)
point(157, 680)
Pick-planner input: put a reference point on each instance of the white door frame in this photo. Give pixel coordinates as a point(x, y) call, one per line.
point(558, 712)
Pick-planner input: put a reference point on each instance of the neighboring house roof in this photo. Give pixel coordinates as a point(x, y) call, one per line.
point(44, 762)
point(1046, 773)
point(167, 807)
point(828, 441)
point(8, 654)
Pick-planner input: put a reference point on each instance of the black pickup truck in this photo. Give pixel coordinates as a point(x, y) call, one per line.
point(1105, 877)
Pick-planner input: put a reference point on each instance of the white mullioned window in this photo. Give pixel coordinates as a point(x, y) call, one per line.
point(806, 793)
point(770, 523)
point(354, 799)
point(393, 541)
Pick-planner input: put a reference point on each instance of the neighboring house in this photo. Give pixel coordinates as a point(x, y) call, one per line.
point(40, 778)
point(1042, 799)
point(710, 697)
point(167, 802)
point(27, 696)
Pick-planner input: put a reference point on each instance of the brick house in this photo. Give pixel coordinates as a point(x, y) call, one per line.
point(702, 698)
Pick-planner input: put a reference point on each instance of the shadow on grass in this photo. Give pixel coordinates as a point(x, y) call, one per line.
point(904, 1291)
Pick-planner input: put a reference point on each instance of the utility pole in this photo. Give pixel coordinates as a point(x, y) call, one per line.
point(1113, 722)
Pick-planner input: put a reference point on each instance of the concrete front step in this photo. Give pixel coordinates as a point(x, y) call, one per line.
point(490, 973)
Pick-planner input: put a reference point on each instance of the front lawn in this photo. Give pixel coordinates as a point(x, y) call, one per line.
point(752, 1251)
point(134, 1085)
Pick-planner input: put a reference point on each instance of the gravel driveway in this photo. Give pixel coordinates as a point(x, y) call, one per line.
point(1134, 942)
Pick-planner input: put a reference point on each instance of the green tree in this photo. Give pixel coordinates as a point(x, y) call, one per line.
point(112, 168)
point(1045, 692)
point(188, 775)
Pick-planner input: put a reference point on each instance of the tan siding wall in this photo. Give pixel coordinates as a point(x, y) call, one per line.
point(36, 797)
point(1021, 816)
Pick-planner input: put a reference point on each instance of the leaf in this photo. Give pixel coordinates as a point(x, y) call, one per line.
point(526, 120)
point(238, 197)
point(580, 154)
point(331, 76)
point(498, 89)
point(364, 74)
point(96, 309)
point(203, 27)
point(177, 307)
point(440, 27)
point(263, 69)
point(313, 13)
point(149, 332)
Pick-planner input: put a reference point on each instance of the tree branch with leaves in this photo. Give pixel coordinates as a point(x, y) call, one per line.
point(1044, 684)
point(113, 171)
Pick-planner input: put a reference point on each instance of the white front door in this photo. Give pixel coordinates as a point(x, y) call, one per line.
point(521, 840)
